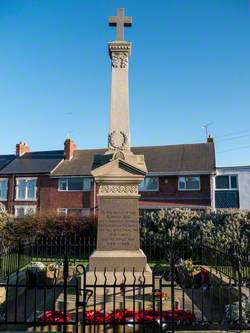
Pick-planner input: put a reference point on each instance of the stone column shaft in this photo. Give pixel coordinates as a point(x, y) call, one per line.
point(119, 133)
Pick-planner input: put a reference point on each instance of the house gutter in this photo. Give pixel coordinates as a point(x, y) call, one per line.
point(182, 173)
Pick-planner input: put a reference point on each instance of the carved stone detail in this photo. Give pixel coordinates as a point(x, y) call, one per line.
point(120, 59)
point(118, 189)
point(2, 208)
point(118, 140)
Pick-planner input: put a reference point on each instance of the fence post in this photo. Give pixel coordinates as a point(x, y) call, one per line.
point(172, 272)
point(1, 256)
point(201, 248)
point(65, 281)
point(19, 256)
point(239, 267)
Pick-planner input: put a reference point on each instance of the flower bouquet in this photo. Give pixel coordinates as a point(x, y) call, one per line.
point(184, 273)
point(159, 295)
point(232, 311)
point(55, 270)
point(36, 273)
point(190, 276)
point(38, 265)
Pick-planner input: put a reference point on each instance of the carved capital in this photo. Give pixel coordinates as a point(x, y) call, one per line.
point(119, 53)
point(120, 59)
point(118, 189)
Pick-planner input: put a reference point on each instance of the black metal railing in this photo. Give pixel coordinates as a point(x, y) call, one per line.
point(156, 248)
point(166, 299)
point(226, 262)
point(14, 258)
point(80, 248)
point(77, 248)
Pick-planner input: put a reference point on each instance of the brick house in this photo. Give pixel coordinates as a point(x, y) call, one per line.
point(60, 181)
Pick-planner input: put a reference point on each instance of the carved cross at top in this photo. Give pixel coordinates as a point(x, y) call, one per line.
point(120, 21)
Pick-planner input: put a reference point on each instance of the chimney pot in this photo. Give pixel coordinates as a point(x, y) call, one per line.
point(22, 148)
point(69, 148)
point(210, 139)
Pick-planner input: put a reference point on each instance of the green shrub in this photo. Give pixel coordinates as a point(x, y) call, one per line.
point(229, 229)
point(14, 230)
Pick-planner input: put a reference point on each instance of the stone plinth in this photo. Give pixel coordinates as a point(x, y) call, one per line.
point(118, 227)
point(118, 241)
point(118, 260)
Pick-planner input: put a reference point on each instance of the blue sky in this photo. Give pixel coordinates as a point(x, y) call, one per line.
point(190, 65)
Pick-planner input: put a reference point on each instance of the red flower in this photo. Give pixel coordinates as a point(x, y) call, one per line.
point(54, 316)
point(121, 316)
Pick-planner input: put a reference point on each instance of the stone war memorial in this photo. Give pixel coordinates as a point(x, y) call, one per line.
point(169, 269)
point(118, 173)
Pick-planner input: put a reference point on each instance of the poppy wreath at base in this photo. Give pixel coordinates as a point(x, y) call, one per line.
point(54, 317)
point(123, 316)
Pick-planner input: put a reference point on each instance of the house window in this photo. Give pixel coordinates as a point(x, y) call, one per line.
point(228, 182)
point(26, 189)
point(149, 184)
point(74, 184)
point(189, 183)
point(21, 211)
point(3, 188)
point(74, 211)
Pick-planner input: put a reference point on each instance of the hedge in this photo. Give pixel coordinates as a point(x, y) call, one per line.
point(228, 229)
point(225, 228)
point(14, 230)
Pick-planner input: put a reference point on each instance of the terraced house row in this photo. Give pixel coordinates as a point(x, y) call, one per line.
point(60, 180)
point(178, 176)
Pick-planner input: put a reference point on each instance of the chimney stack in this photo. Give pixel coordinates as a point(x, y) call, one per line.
point(22, 148)
point(210, 139)
point(69, 149)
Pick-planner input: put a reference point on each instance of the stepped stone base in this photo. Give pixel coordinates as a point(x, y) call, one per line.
point(113, 281)
point(118, 260)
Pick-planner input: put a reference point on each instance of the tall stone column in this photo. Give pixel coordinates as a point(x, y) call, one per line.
point(118, 174)
point(119, 132)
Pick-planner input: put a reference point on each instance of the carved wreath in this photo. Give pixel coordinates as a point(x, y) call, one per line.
point(112, 140)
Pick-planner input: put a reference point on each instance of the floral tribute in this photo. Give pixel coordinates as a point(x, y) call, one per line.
point(54, 317)
point(232, 311)
point(161, 295)
point(121, 316)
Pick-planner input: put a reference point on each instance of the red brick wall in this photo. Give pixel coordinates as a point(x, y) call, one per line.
point(51, 198)
point(168, 190)
point(11, 202)
point(48, 196)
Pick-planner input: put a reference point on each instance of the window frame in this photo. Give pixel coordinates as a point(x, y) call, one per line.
point(230, 188)
point(152, 190)
point(64, 211)
point(66, 179)
point(25, 207)
point(187, 189)
point(5, 179)
point(26, 189)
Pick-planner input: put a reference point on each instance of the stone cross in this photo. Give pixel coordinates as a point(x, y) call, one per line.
point(120, 21)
